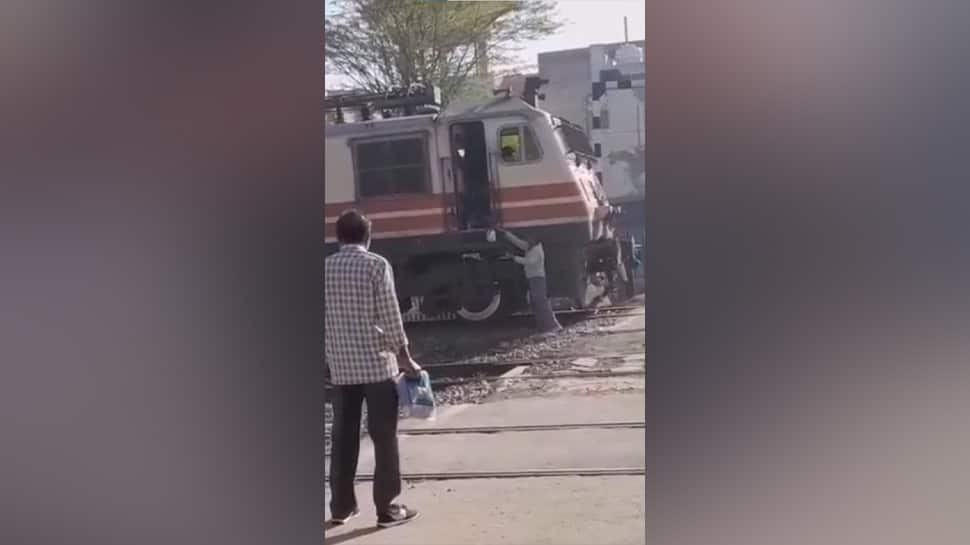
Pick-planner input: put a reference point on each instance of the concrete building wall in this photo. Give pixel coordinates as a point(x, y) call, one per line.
point(567, 93)
point(621, 140)
point(621, 112)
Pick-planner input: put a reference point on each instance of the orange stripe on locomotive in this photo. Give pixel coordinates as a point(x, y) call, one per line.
point(426, 214)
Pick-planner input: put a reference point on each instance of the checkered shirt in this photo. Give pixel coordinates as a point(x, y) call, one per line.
point(363, 329)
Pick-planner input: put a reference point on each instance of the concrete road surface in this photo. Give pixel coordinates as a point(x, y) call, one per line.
point(583, 448)
point(553, 511)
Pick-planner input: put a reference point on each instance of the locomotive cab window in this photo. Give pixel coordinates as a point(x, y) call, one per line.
point(518, 145)
point(393, 166)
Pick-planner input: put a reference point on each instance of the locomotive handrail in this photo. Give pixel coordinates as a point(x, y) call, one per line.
point(455, 209)
point(493, 174)
point(408, 99)
point(574, 138)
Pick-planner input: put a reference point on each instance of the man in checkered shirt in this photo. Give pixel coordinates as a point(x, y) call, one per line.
point(366, 350)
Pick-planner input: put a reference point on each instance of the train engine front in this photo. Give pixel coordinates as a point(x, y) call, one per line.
point(439, 186)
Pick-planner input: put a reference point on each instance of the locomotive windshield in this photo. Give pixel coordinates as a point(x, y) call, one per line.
point(572, 137)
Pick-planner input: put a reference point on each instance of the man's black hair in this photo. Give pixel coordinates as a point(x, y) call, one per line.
point(353, 228)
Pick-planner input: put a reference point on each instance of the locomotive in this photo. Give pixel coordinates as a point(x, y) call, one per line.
point(438, 184)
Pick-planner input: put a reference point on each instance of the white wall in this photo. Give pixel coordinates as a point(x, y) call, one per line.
point(622, 141)
point(569, 84)
point(571, 74)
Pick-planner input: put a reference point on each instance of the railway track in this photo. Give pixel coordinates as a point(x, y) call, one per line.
point(439, 368)
point(467, 372)
point(500, 376)
point(521, 428)
point(597, 373)
point(614, 332)
point(542, 358)
point(613, 311)
point(516, 474)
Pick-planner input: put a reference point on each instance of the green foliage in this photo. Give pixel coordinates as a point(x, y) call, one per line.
point(382, 44)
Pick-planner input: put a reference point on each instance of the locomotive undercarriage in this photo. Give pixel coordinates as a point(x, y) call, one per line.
point(478, 281)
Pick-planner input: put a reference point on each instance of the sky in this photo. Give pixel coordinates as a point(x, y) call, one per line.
point(587, 22)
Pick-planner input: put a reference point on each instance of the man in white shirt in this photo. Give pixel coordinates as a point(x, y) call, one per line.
point(534, 264)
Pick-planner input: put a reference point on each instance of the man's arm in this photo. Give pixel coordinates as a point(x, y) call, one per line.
point(532, 257)
point(516, 241)
point(390, 320)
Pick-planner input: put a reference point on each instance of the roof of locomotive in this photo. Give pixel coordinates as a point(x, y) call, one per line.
point(498, 107)
point(380, 126)
point(510, 105)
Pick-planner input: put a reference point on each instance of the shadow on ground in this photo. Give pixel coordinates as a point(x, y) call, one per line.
point(330, 539)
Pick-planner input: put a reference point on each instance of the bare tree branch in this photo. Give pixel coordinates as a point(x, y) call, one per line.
point(383, 44)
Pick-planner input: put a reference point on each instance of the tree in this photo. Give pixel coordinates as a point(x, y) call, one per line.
point(635, 160)
point(385, 44)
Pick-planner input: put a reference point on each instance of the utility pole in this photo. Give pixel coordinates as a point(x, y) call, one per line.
point(639, 138)
point(626, 34)
point(481, 51)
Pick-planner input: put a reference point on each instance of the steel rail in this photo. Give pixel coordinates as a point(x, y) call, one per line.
point(534, 361)
point(521, 378)
point(518, 363)
point(612, 315)
point(516, 474)
point(583, 315)
point(594, 311)
point(520, 428)
point(616, 310)
point(593, 373)
point(612, 332)
point(514, 429)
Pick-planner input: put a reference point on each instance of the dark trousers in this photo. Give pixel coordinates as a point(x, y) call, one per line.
point(382, 413)
point(541, 306)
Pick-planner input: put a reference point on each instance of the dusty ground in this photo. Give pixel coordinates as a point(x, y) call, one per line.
point(516, 340)
point(567, 510)
point(553, 511)
point(529, 511)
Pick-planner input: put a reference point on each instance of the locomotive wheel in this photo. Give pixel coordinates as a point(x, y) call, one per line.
point(481, 307)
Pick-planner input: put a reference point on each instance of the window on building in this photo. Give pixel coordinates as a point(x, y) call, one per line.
point(596, 122)
point(599, 89)
point(604, 117)
point(391, 166)
point(518, 144)
point(597, 149)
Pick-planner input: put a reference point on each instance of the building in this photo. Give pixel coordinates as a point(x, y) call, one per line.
point(602, 88)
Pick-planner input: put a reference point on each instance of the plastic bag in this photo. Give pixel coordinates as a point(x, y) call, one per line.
point(415, 397)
